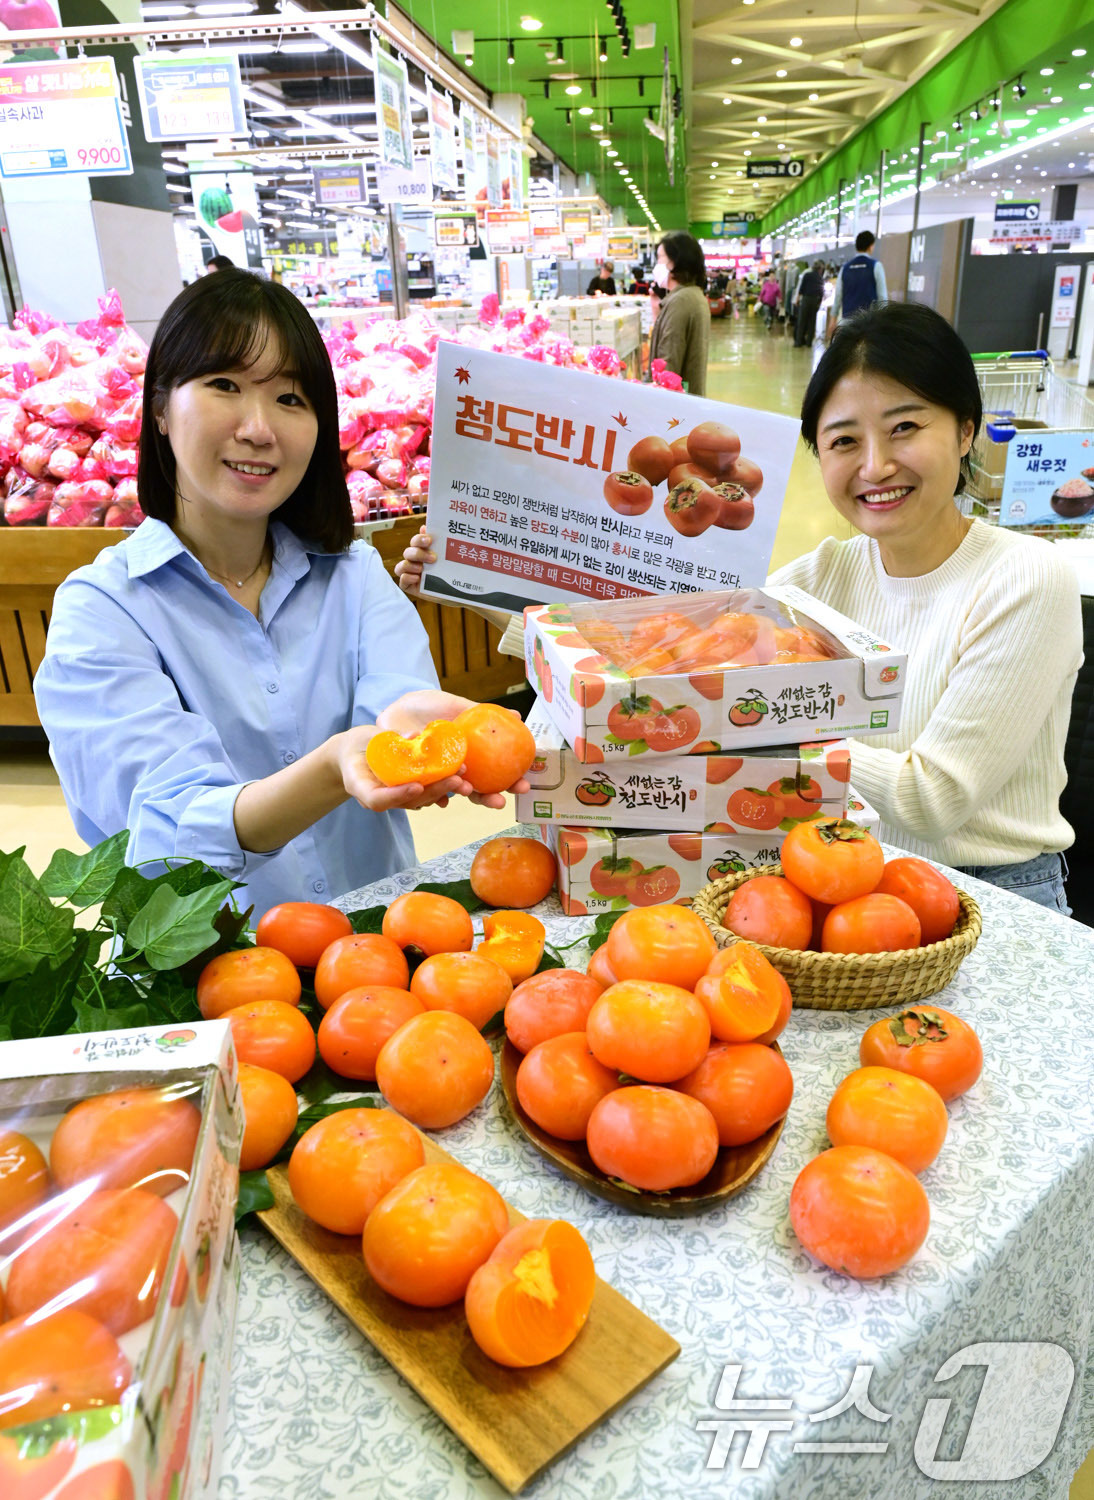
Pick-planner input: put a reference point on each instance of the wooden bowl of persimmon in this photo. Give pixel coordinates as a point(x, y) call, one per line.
point(851, 981)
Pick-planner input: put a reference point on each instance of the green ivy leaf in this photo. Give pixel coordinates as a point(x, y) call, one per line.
point(232, 927)
point(603, 925)
point(255, 1194)
point(31, 927)
point(170, 929)
point(94, 1017)
point(551, 959)
point(368, 919)
point(170, 998)
point(457, 890)
point(131, 890)
point(319, 1083)
point(42, 1003)
point(84, 879)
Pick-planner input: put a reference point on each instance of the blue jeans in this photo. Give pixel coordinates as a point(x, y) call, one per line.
point(1040, 879)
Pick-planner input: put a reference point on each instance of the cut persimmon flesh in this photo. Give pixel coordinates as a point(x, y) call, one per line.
point(514, 940)
point(529, 1301)
point(438, 751)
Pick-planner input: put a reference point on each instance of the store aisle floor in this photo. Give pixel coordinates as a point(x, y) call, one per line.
point(748, 367)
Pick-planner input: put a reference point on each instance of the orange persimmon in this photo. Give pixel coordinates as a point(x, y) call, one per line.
point(438, 751)
point(529, 1301)
point(514, 940)
point(742, 993)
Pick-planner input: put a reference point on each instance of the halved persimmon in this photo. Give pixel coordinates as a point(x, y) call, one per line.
point(529, 1301)
point(438, 751)
point(514, 941)
point(743, 994)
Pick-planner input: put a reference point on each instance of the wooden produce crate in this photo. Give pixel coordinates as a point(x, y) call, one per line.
point(34, 560)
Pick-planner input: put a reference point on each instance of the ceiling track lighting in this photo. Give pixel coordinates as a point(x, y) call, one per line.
point(511, 56)
point(558, 50)
point(957, 125)
point(1019, 88)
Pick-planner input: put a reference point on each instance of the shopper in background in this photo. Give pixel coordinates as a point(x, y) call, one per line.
point(990, 619)
point(603, 283)
point(769, 298)
point(681, 328)
point(809, 295)
point(219, 263)
point(639, 286)
point(211, 683)
point(860, 283)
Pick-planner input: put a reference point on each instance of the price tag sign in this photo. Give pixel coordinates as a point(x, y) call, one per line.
point(59, 118)
point(398, 185)
point(190, 99)
point(340, 184)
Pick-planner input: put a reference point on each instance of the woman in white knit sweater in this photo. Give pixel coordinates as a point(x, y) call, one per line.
point(990, 619)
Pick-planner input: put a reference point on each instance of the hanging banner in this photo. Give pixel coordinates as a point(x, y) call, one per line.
point(621, 247)
point(576, 221)
point(545, 223)
point(515, 176)
point(442, 140)
point(493, 171)
point(508, 232)
point(398, 185)
point(57, 118)
point(393, 110)
point(524, 502)
point(190, 99)
point(456, 231)
point(227, 213)
point(341, 183)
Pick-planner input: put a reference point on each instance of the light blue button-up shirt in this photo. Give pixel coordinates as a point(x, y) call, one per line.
point(162, 697)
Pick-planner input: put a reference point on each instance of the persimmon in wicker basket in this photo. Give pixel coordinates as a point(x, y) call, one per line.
point(845, 927)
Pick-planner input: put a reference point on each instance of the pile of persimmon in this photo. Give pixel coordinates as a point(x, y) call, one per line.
point(709, 483)
point(417, 1036)
point(659, 1054)
point(433, 1233)
point(668, 641)
point(86, 1237)
point(859, 1206)
point(838, 894)
point(491, 747)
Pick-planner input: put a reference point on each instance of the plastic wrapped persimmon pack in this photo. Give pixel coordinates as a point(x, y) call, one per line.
point(118, 1256)
point(696, 633)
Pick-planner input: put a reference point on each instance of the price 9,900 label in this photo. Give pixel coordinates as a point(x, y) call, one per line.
point(99, 156)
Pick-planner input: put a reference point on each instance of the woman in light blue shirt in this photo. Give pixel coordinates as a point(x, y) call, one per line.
point(210, 684)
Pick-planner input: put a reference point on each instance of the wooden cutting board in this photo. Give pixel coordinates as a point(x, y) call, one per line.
point(516, 1422)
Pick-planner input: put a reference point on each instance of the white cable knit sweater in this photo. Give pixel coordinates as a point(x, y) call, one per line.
point(994, 637)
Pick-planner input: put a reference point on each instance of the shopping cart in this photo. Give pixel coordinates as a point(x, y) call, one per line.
point(1020, 391)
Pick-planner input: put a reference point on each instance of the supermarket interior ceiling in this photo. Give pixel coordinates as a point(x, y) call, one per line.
point(779, 78)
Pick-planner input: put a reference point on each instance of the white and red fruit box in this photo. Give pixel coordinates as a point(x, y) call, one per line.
point(607, 714)
point(607, 869)
point(755, 792)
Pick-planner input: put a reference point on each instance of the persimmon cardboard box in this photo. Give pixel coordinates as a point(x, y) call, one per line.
point(750, 793)
point(167, 1428)
point(600, 869)
point(858, 691)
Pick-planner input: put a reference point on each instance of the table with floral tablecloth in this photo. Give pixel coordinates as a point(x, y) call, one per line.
point(317, 1414)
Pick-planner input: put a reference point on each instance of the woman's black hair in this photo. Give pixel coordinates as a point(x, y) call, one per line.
point(221, 323)
point(689, 266)
point(910, 344)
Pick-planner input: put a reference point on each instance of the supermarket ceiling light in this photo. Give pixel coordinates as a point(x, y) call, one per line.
point(795, 41)
point(736, 61)
point(573, 88)
point(164, 12)
point(226, 7)
point(595, 125)
point(727, 100)
point(530, 23)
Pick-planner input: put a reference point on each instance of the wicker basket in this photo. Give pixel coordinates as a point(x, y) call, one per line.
point(851, 981)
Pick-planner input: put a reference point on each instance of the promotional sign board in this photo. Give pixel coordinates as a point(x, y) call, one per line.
point(1007, 212)
point(507, 231)
point(442, 140)
point(545, 223)
point(393, 109)
point(1043, 231)
point(730, 228)
point(514, 174)
point(576, 221)
point(451, 231)
point(621, 247)
point(227, 212)
point(342, 183)
point(57, 118)
point(1048, 480)
point(493, 170)
point(400, 185)
point(190, 99)
point(522, 505)
point(792, 168)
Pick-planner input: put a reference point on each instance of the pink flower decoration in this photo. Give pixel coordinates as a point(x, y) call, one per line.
point(512, 317)
point(667, 379)
point(488, 309)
